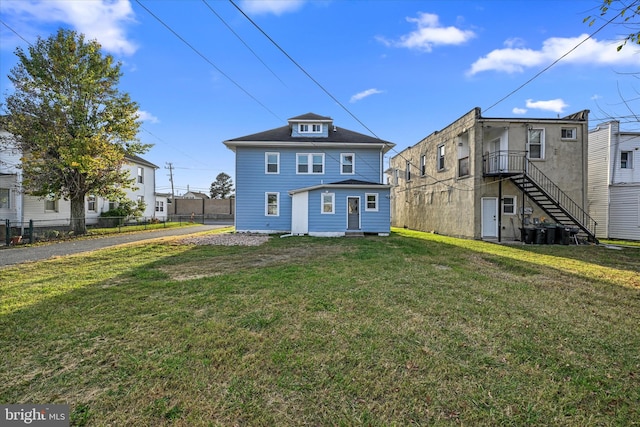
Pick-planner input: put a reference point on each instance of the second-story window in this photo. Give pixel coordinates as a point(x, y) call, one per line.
point(423, 165)
point(568, 133)
point(626, 160)
point(535, 144)
point(272, 162)
point(310, 163)
point(407, 171)
point(440, 157)
point(346, 163)
point(140, 175)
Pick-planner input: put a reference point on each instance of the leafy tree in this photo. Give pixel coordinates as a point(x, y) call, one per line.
point(222, 187)
point(71, 122)
point(626, 14)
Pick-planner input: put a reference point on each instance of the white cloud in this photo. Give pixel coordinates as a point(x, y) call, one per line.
point(146, 116)
point(277, 7)
point(429, 34)
point(102, 20)
point(358, 96)
point(555, 105)
point(519, 111)
point(515, 58)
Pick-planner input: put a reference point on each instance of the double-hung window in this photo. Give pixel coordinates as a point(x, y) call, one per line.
point(328, 203)
point(440, 157)
point(371, 202)
point(272, 163)
point(272, 204)
point(347, 166)
point(626, 159)
point(140, 175)
point(91, 203)
point(310, 163)
point(535, 144)
point(5, 198)
point(509, 205)
point(568, 133)
point(159, 206)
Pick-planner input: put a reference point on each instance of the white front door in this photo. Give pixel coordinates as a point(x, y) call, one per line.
point(489, 217)
point(300, 213)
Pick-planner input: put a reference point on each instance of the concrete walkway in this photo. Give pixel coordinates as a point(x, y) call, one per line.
point(20, 254)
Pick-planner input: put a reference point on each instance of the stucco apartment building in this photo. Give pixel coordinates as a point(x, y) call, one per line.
point(483, 178)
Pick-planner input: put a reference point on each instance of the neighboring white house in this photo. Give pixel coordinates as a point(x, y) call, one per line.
point(18, 207)
point(614, 181)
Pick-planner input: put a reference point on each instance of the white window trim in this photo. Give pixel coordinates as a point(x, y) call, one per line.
point(309, 128)
point(159, 206)
point(542, 144)
point(140, 175)
point(353, 164)
point(574, 132)
point(629, 159)
point(9, 201)
point(95, 203)
point(309, 163)
point(55, 205)
point(266, 204)
point(366, 202)
point(266, 162)
point(333, 203)
point(515, 205)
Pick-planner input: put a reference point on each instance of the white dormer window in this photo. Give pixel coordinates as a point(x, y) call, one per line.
point(309, 128)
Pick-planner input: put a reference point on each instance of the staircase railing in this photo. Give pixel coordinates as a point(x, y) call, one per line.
point(559, 197)
point(512, 163)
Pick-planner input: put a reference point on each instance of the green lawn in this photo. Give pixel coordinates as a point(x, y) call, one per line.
point(410, 329)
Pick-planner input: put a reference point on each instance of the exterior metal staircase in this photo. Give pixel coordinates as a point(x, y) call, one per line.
point(542, 190)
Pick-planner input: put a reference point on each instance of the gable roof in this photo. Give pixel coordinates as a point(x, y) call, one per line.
point(139, 160)
point(311, 117)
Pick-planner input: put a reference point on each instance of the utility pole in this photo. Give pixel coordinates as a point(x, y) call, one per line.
point(173, 197)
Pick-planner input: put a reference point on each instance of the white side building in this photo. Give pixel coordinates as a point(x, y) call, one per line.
point(614, 181)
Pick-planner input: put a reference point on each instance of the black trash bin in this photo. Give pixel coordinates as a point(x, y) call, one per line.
point(530, 235)
point(541, 234)
point(562, 235)
point(550, 234)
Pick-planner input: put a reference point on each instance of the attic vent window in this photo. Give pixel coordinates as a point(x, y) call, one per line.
point(309, 128)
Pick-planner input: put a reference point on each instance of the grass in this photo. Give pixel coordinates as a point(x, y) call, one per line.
point(410, 329)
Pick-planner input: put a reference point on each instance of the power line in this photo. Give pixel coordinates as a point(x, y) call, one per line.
point(243, 42)
point(302, 69)
point(207, 60)
point(551, 65)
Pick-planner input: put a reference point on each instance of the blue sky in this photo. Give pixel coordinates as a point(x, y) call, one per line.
point(403, 69)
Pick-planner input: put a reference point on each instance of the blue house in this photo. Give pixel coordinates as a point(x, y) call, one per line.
point(311, 177)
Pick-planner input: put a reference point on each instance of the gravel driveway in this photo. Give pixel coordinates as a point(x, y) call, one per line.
point(17, 255)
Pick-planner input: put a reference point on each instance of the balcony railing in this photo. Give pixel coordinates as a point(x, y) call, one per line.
point(504, 163)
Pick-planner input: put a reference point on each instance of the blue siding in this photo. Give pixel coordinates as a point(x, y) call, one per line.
point(252, 183)
point(370, 222)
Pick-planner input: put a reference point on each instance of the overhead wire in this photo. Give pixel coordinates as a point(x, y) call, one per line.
point(207, 60)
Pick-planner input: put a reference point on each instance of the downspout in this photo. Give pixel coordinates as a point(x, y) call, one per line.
point(499, 213)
